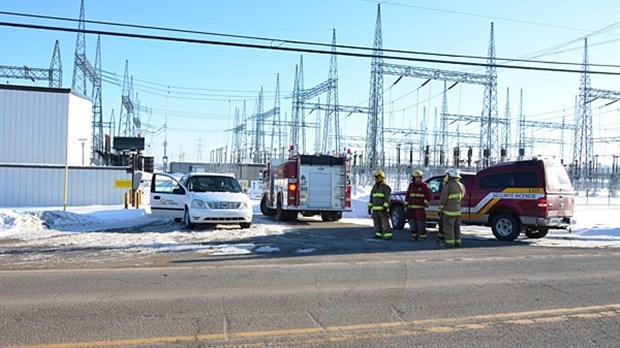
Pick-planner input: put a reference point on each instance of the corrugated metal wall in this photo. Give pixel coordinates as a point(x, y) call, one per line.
point(43, 185)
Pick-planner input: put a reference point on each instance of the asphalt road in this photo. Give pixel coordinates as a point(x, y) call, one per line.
point(358, 293)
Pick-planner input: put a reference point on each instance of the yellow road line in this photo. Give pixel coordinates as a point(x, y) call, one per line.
point(360, 331)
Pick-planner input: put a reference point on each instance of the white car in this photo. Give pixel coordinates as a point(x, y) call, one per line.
point(200, 198)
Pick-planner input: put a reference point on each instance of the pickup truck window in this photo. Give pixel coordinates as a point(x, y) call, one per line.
point(518, 179)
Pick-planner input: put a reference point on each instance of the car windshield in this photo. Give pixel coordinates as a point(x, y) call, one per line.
point(214, 184)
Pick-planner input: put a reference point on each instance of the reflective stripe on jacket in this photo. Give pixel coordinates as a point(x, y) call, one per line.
point(380, 196)
point(418, 195)
point(451, 197)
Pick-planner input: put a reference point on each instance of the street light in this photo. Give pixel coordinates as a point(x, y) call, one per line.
point(83, 140)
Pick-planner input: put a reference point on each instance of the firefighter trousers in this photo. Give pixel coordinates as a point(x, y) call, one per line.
point(418, 229)
point(452, 230)
point(381, 222)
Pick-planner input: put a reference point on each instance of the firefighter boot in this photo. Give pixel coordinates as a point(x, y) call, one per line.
point(422, 237)
point(378, 235)
point(414, 237)
point(387, 235)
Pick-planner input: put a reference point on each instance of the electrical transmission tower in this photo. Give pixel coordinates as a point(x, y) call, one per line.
point(583, 153)
point(489, 120)
point(331, 132)
point(375, 154)
point(128, 122)
point(489, 137)
point(53, 74)
point(83, 71)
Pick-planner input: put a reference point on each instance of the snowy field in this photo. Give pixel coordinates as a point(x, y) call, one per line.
point(88, 227)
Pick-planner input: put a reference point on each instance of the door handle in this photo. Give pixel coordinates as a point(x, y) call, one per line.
point(156, 197)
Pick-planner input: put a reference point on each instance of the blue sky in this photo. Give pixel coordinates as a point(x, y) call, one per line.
point(220, 78)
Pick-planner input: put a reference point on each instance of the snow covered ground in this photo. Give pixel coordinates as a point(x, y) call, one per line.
point(112, 227)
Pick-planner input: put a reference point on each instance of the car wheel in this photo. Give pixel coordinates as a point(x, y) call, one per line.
point(245, 224)
point(397, 215)
point(506, 227)
point(536, 233)
point(186, 220)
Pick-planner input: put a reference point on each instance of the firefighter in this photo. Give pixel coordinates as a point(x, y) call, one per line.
point(440, 235)
point(379, 207)
point(450, 207)
point(418, 196)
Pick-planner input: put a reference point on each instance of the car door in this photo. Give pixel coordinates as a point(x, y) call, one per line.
point(167, 196)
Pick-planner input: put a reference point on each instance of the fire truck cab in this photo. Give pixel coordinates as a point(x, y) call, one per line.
point(308, 185)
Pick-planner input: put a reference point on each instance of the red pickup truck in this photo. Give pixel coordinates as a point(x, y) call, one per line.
point(530, 196)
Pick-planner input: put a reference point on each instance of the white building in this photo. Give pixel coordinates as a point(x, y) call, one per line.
point(45, 146)
point(44, 125)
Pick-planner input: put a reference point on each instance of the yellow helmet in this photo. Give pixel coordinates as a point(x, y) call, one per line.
point(379, 174)
point(417, 174)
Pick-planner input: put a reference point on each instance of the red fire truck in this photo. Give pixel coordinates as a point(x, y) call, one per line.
point(307, 184)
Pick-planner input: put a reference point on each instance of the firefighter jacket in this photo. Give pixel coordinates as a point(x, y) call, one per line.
point(380, 197)
point(418, 196)
point(451, 197)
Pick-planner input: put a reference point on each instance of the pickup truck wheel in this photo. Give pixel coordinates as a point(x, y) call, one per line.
point(536, 233)
point(506, 227)
point(397, 215)
point(186, 220)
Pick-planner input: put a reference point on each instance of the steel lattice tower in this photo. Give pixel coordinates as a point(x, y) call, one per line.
point(489, 137)
point(584, 145)
point(53, 74)
point(276, 122)
point(444, 126)
point(97, 127)
point(506, 143)
point(83, 71)
point(331, 138)
point(295, 111)
point(126, 124)
point(259, 129)
point(521, 150)
point(56, 68)
point(374, 136)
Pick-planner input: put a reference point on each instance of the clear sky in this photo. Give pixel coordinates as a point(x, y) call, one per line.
point(208, 82)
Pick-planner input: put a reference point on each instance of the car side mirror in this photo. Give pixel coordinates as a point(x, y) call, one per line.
point(178, 191)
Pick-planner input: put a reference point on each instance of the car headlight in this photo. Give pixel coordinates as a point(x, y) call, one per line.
point(198, 204)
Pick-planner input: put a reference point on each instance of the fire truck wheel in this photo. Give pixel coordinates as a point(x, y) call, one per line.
point(186, 220)
point(397, 215)
point(506, 227)
point(263, 206)
point(536, 233)
point(331, 216)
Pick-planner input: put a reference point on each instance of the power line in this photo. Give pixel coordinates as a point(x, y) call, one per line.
point(285, 41)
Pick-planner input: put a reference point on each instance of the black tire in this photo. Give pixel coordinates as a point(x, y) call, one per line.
point(178, 219)
point(186, 220)
point(331, 216)
point(245, 224)
point(539, 233)
point(397, 215)
point(263, 206)
point(506, 227)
